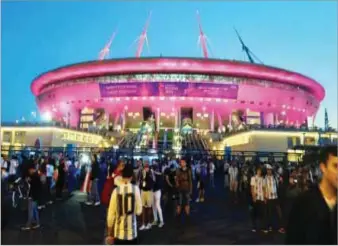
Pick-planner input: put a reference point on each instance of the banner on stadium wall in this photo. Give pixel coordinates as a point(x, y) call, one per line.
point(169, 89)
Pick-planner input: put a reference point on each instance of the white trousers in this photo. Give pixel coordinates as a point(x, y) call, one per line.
point(157, 210)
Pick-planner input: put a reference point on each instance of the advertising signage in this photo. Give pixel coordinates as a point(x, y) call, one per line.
point(169, 89)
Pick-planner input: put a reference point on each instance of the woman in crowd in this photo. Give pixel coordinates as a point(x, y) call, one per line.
point(158, 185)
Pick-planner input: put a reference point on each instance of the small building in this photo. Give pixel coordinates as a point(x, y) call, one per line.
point(275, 141)
point(19, 137)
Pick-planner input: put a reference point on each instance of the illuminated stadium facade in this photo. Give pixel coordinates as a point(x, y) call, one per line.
point(204, 93)
point(209, 91)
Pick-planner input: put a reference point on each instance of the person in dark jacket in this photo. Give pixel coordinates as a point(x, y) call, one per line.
point(93, 196)
point(184, 187)
point(60, 183)
point(34, 193)
point(313, 217)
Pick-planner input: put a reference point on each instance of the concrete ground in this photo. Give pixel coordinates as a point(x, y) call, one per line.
point(216, 221)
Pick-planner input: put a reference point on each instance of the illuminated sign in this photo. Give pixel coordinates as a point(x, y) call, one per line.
point(169, 89)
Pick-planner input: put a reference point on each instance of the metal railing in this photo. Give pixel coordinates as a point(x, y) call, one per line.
point(132, 152)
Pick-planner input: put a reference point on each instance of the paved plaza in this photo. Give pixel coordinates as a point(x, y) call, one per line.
point(216, 221)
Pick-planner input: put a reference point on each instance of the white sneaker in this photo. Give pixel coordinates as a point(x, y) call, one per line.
point(97, 203)
point(50, 202)
point(148, 227)
point(197, 200)
point(161, 225)
point(155, 222)
point(89, 203)
point(142, 228)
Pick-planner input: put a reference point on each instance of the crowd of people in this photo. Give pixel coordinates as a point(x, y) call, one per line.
point(135, 192)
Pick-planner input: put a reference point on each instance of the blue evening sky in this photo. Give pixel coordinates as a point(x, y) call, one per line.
point(39, 36)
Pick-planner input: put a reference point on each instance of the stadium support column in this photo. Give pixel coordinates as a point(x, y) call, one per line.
point(275, 119)
point(74, 118)
point(116, 121)
point(267, 119)
point(176, 118)
point(179, 118)
point(262, 121)
point(123, 119)
point(212, 121)
point(158, 119)
point(220, 124)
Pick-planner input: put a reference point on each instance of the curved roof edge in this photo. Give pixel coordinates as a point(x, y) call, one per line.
point(176, 65)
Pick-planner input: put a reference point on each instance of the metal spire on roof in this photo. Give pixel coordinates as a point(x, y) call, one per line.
point(246, 49)
point(143, 37)
point(202, 38)
point(105, 51)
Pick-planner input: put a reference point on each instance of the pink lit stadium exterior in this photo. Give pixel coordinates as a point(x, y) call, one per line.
point(117, 92)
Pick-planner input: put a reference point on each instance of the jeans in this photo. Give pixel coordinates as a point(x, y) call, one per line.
point(259, 215)
point(48, 189)
point(212, 180)
point(157, 206)
point(33, 213)
point(226, 180)
point(59, 187)
point(93, 195)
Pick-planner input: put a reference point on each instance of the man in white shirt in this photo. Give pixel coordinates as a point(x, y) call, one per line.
point(125, 205)
point(233, 175)
point(259, 201)
point(14, 164)
point(226, 174)
point(49, 180)
point(271, 196)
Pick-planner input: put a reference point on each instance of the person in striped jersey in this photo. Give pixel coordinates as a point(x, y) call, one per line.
point(125, 205)
point(259, 202)
point(271, 196)
point(233, 175)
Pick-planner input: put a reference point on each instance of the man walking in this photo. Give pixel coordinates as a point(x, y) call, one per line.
point(313, 217)
point(125, 205)
point(272, 202)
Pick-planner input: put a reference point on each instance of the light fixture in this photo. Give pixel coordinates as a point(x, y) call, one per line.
point(47, 116)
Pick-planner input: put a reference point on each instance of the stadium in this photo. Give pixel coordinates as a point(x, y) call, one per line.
point(156, 94)
point(176, 88)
